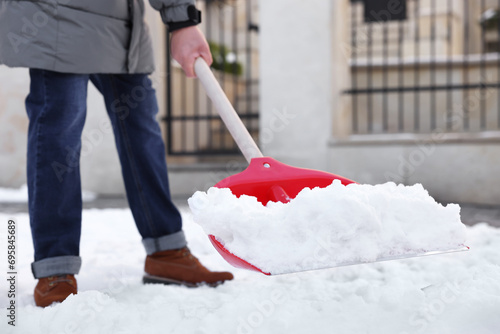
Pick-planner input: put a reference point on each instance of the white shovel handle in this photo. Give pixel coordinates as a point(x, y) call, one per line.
point(226, 111)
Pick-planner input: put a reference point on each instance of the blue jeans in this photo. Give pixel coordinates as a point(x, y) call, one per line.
point(56, 107)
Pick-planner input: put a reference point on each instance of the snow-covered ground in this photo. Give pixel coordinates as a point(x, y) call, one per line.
point(452, 293)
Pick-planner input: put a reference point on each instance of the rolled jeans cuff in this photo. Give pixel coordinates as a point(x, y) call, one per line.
point(58, 265)
point(167, 242)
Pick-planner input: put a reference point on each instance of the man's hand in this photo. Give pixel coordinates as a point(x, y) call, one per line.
point(187, 44)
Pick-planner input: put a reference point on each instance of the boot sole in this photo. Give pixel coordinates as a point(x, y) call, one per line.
point(150, 279)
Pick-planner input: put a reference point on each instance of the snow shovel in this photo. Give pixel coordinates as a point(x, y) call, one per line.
point(265, 178)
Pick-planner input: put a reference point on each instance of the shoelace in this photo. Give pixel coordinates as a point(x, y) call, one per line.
point(59, 279)
point(187, 253)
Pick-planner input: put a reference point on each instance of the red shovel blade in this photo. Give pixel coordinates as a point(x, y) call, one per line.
point(270, 180)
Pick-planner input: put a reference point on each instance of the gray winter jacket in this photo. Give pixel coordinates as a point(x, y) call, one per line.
point(81, 36)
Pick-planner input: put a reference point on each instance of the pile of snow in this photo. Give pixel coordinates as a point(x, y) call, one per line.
point(455, 293)
point(327, 227)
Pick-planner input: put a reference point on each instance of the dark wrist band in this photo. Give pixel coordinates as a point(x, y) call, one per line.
point(194, 19)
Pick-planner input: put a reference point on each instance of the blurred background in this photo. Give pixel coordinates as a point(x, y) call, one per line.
point(376, 90)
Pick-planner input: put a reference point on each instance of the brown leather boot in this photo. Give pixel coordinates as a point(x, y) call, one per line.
point(54, 289)
point(180, 267)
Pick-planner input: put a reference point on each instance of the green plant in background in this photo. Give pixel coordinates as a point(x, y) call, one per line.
point(224, 59)
point(489, 19)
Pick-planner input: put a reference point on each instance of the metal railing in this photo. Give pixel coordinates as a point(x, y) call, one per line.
point(435, 67)
point(193, 126)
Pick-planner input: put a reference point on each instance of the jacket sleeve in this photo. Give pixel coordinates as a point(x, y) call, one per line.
point(172, 10)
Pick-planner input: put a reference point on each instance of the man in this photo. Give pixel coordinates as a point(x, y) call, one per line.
point(66, 44)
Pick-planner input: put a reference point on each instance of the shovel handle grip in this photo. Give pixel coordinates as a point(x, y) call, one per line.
point(226, 111)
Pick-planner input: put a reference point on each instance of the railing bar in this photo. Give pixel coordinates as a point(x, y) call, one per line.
point(183, 111)
point(465, 116)
point(168, 92)
point(235, 63)
point(197, 113)
point(222, 43)
point(248, 48)
point(433, 65)
point(422, 88)
point(369, 101)
point(354, 68)
point(482, 111)
point(449, 68)
point(385, 79)
point(416, 115)
point(208, 103)
point(401, 78)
